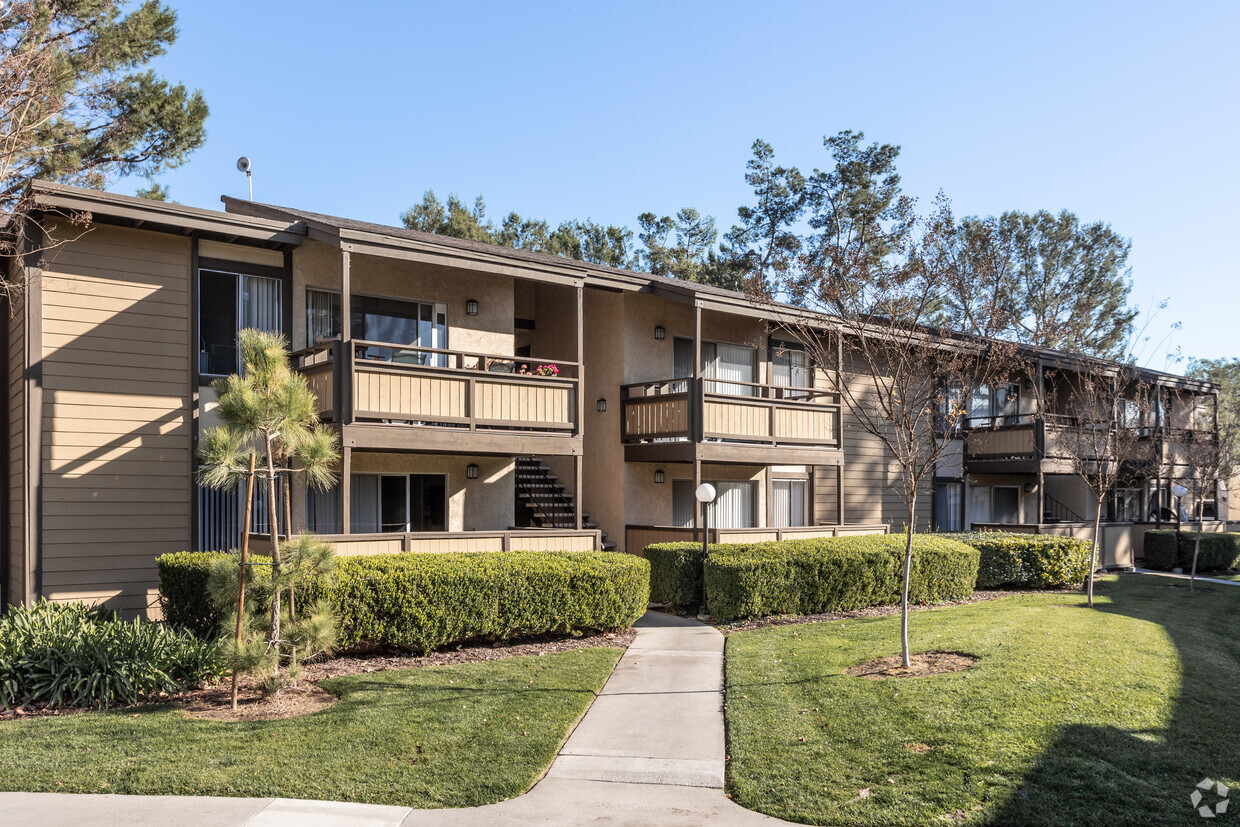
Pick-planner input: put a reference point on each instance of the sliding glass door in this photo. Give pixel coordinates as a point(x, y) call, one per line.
point(417, 324)
point(397, 503)
point(735, 504)
point(724, 366)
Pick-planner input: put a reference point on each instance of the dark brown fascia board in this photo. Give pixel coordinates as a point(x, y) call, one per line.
point(130, 211)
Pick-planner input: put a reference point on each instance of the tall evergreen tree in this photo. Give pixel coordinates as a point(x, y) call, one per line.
point(765, 242)
point(75, 103)
point(1068, 282)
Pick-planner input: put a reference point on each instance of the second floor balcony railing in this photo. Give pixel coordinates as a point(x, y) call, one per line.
point(727, 410)
point(392, 384)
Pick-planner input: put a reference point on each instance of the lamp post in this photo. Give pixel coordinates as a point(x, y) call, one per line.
point(705, 495)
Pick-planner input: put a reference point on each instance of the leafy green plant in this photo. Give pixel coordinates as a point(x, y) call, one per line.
point(425, 601)
point(1030, 561)
point(66, 655)
point(834, 574)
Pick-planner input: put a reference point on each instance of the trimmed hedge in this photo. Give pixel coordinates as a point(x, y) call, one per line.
point(425, 601)
point(833, 574)
point(1028, 561)
point(675, 574)
point(1219, 551)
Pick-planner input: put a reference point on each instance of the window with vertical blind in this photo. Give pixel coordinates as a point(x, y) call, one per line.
point(398, 502)
point(735, 504)
point(418, 324)
point(789, 503)
point(724, 366)
point(227, 304)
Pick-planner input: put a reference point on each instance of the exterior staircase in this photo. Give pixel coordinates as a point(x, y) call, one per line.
point(543, 502)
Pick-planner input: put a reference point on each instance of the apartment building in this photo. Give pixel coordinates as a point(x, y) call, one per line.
point(486, 399)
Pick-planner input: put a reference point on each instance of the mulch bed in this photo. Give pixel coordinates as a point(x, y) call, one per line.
point(879, 611)
point(921, 665)
point(215, 702)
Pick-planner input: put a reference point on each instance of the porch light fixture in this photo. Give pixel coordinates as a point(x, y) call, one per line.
point(659, 333)
point(471, 307)
point(658, 477)
point(601, 405)
point(471, 472)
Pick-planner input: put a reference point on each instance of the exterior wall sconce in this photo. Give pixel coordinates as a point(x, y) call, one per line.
point(658, 477)
point(471, 472)
point(471, 307)
point(1028, 488)
point(601, 405)
point(659, 333)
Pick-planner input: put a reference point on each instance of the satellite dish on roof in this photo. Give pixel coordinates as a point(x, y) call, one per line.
point(243, 164)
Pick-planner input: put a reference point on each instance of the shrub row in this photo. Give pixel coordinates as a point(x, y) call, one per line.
point(812, 575)
point(424, 601)
point(1029, 561)
point(1219, 552)
point(58, 655)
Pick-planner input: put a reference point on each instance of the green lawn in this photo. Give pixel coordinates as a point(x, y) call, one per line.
point(1071, 716)
point(1226, 576)
point(448, 736)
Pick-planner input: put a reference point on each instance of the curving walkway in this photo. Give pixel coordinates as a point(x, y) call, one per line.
point(650, 750)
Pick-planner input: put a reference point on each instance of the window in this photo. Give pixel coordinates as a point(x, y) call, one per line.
point(221, 514)
point(419, 324)
point(1005, 504)
point(979, 504)
point(790, 369)
point(1127, 505)
point(396, 503)
point(229, 303)
point(949, 506)
point(789, 501)
point(994, 405)
point(720, 361)
point(734, 505)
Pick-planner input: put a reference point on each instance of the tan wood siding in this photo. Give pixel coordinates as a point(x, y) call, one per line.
point(17, 575)
point(652, 416)
point(117, 439)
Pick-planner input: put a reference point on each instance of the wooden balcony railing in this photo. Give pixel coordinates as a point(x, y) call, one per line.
point(637, 537)
point(443, 542)
point(406, 385)
point(695, 410)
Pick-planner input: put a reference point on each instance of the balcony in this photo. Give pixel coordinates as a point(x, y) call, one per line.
point(677, 420)
point(1020, 445)
point(400, 397)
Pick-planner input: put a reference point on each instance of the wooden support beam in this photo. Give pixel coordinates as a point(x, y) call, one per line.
point(346, 489)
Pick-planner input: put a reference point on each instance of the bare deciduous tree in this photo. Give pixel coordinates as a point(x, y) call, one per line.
point(1102, 439)
point(903, 382)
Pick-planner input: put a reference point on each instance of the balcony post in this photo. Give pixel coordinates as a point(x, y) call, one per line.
point(581, 358)
point(346, 489)
point(577, 476)
point(346, 341)
point(839, 492)
point(697, 387)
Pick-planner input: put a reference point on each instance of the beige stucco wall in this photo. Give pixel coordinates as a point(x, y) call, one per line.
point(1072, 491)
point(490, 332)
point(484, 504)
point(649, 503)
point(240, 252)
point(603, 468)
point(647, 359)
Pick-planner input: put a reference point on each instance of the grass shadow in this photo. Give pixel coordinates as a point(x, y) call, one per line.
point(1107, 775)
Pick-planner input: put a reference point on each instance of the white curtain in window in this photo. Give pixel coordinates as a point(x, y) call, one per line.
point(259, 304)
point(322, 316)
point(734, 505)
point(731, 362)
point(364, 507)
point(979, 504)
point(788, 504)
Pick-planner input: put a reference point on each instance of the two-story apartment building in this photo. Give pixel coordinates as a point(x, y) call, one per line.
point(486, 399)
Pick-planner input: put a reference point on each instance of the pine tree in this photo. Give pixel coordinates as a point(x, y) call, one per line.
point(269, 410)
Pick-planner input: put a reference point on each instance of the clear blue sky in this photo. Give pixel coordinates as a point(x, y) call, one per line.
point(1122, 112)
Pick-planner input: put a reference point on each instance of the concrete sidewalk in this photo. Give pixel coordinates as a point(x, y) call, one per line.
point(650, 750)
point(1200, 579)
